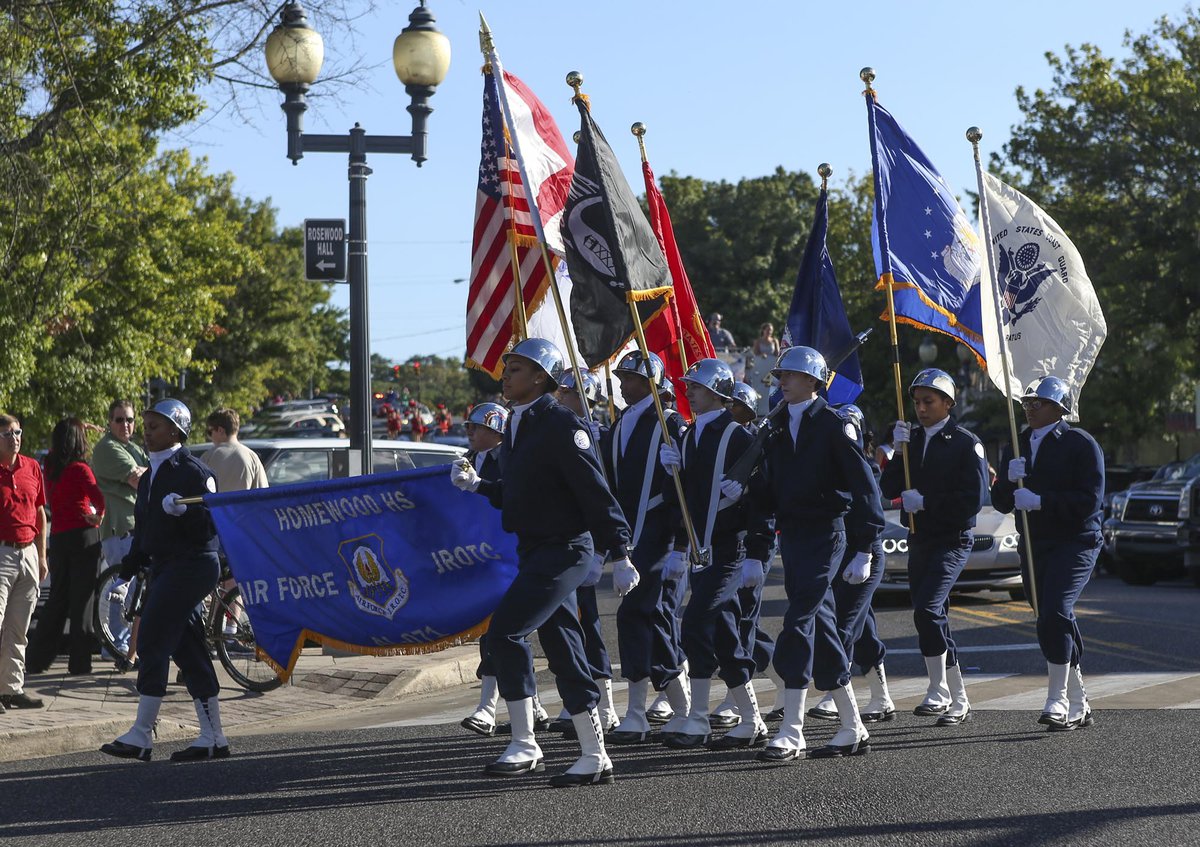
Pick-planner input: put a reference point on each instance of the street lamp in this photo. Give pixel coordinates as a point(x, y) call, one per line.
point(927, 351)
point(421, 57)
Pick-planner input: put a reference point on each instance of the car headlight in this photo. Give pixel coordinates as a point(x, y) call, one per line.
point(1185, 501)
point(1117, 504)
point(1010, 541)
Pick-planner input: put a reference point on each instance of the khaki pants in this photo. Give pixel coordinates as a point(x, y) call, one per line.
point(18, 597)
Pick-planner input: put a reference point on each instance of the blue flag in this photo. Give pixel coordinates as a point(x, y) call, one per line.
point(818, 318)
point(391, 563)
point(921, 239)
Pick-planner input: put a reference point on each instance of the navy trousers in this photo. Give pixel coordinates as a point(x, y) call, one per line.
point(712, 638)
point(808, 648)
point(542, 598)
point(172, 626)
point(854, 615)
point(933, 568)
point(1063, 568)
point(647, 630)
point(758, 642)
point(593, 636)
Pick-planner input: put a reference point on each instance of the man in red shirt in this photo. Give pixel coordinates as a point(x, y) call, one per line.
point(22, 560)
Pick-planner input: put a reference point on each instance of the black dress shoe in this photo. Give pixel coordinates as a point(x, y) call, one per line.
point(840, 751)
point(515, 768)
point(723, 721)
point(773, 716)
point(954, 720)
point(200, 754)
point(659, 718)
point(733, 742)
point(479, 727)
point(1053, 721)
point(930, 710)
point(1086, 720)
point(21, 701)
point(623, 737)
point(879, 717)
point(562, 725)
point(780, 755)
point(539, 725)
point(575, 780)
point(126, 751)
point(684, 741)
point(822, 714)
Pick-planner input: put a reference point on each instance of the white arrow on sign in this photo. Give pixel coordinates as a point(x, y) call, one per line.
point(324, 266)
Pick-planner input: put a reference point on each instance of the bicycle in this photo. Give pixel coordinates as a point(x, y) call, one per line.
point(227, 627)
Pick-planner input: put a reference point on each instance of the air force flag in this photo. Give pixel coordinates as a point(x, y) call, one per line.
point(392, 563)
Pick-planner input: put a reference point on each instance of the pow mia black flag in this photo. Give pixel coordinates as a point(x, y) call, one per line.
point(612, 253)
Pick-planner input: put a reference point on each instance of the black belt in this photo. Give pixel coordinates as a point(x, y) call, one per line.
point(16, 545)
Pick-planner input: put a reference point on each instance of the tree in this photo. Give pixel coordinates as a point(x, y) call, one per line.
point(1109, 150)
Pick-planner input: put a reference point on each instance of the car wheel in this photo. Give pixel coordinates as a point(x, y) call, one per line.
point(1135, 573)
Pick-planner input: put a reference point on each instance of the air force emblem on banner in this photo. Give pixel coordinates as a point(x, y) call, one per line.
point(376, 589)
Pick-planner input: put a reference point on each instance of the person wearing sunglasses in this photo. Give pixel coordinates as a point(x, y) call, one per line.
point(22, 560)
point(118, 464)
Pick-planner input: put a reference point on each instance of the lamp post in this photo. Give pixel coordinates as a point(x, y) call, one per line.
point(421, 56)
point(927, 351)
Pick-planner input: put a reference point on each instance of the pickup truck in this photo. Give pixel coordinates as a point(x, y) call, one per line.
point(1152, 525)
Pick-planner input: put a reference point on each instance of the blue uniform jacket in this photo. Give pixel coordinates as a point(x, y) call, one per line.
point(1069, 477)
point(823, 480)
point(951, 476)
point(551, 488)
point(157, 535)
point(490, 469)
point(627, 477)
point(735, 525)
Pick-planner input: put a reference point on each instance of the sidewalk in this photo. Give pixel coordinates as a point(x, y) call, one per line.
point(83, 712)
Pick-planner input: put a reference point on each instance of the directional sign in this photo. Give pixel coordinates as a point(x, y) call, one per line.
point(324, 249)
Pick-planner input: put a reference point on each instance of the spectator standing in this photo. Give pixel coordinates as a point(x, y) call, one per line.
point(766, 344)
point(22, 560)
point(722, 339)
point(236, 466)
point(76, 510)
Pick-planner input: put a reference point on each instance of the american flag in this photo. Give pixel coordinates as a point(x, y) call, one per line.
point(502, 215)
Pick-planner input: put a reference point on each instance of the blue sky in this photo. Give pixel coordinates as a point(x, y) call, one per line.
point(726, 90)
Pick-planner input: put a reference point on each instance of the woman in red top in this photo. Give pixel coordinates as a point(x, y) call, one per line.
point(76, 509)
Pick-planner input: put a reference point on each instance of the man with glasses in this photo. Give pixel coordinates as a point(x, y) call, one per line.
point(118, 464)
point(22, 560)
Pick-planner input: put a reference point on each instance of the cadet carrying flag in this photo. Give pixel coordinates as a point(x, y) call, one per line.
point(817, 318)
point(1049, 312)
point(383, 564)
point(921, 239)
point(612, 253)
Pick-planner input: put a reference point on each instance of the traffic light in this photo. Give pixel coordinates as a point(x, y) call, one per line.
point(417, 368)
point(396, 371)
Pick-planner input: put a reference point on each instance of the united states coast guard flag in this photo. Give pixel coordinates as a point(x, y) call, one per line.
point(921, 238)
point(392, 563)
point(1049, 313)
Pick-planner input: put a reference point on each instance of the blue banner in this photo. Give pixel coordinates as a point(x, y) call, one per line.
point(391, 563)
point(817, 318)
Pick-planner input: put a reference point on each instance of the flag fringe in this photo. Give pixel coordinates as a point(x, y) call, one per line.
point(666, 292)
point(391, 650)
point(948, 315)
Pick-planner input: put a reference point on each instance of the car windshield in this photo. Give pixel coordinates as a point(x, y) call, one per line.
point(1190, 469)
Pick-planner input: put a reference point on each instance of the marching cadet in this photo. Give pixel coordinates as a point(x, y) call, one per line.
point(178, 544)
point(1061, 471)
point(948, 473)
point(733, 540)
point(816, 482)
point(551, 493)
point(485, 432)
point(743, 405)
point(589, 609)
point(852, 606)
point(647, 633)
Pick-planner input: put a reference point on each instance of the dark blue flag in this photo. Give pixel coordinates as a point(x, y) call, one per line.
point(818, 318)
point(921, 239)
point(391, 563)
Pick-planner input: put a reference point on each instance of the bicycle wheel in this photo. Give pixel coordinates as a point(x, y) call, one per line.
point(108, 613)
point(231, 633)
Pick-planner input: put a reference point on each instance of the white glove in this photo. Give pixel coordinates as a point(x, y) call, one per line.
point(668, 457)
point(902, 433)
point(595, 571)
point(1026, 500)
point(118, 590)
point(732, 489)
point(676, 566)
point(625, 577)
point(464, 477)
point(1016, 469)
point(913, 500)
point(753, 574)
point(172, 506)
point(858, 569)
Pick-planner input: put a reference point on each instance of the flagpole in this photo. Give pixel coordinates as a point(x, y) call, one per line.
point(867, 75)
point(639, 130)
point(974, 135)
point(612, 406)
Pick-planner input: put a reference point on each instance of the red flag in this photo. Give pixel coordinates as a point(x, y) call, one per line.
point(682, 319)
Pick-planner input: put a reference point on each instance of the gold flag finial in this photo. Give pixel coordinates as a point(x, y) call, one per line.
point(974, 134)
point(486, 45)
point(867, 75)
point(639, 130)
point(824, 171)
point(575, 80)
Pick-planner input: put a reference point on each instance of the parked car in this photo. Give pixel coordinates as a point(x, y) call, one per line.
point(1147, 532)
point(994, 563)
